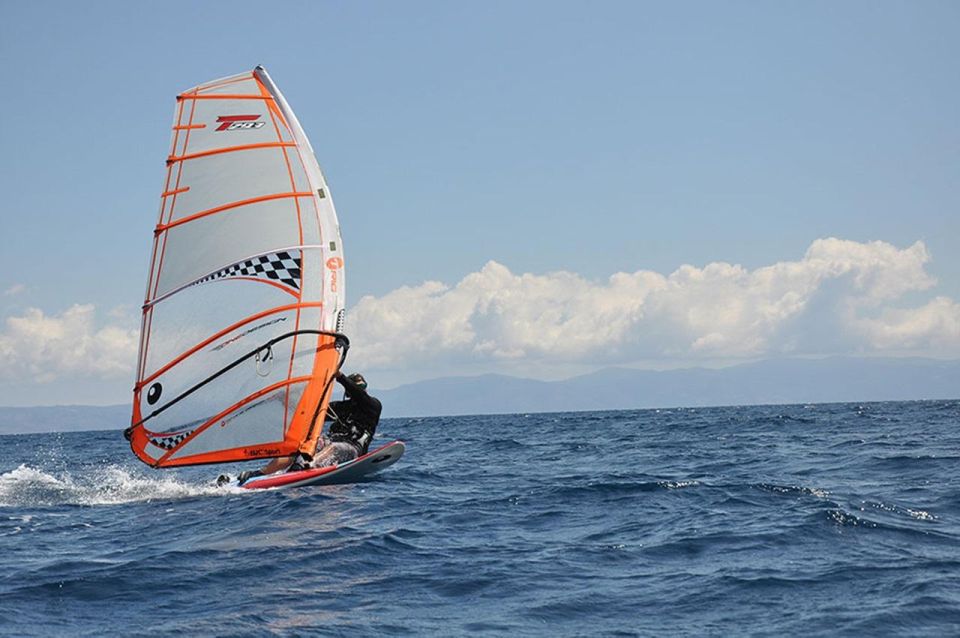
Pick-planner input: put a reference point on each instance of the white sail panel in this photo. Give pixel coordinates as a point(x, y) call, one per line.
point(198, 249)
point(185, 320)
point(257, 173)
point(246, 428)
point(223, 122)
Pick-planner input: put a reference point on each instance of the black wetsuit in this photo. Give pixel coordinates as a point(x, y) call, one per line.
point(355, 418)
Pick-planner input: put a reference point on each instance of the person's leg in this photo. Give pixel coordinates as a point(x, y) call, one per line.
point(278, 464)
point(345, 452)
point(334, 453)
point(325, 456)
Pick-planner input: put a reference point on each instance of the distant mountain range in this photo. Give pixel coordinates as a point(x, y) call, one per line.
point(775, 381)
point(836, 379)
point(63, 418)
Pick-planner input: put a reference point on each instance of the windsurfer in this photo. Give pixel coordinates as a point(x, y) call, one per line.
point(354, 421)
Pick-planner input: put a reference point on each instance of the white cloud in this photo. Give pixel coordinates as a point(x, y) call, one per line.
point(43, 348)
point(840, 297)
point(934, 326)
point(834, 300)
point(15, 289)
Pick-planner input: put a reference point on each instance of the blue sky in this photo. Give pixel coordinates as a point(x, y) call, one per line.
point(591, 138)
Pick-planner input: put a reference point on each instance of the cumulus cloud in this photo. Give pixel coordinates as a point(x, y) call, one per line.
point(837, 299)
point(43, 348)
point(934, 326)
point(841, 297)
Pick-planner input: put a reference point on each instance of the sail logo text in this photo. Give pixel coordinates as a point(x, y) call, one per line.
point(334, 264)
point(262, 452)
point(239, 122)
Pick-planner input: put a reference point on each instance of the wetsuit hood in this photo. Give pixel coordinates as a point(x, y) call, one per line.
point(358, 379)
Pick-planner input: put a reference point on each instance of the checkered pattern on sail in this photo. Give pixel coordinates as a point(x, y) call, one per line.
point(282, 267)
point(170, 442)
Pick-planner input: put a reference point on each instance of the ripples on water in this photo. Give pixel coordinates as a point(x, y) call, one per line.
point(805, 520)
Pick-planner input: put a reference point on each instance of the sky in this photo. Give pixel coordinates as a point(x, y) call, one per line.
point(529, 188)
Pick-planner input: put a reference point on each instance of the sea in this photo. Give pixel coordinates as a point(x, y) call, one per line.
point(797, 520)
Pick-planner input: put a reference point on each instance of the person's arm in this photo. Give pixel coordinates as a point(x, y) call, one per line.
point(355, 392)
point(275, 465)
point(348, 384)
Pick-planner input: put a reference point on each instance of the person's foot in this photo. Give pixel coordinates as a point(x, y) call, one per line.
point(222, 480)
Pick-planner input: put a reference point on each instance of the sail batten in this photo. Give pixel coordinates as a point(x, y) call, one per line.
point(226, 207)
point(229, 149)
point(245, 289)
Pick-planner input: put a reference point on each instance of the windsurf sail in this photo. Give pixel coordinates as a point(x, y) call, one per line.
point(240, 336)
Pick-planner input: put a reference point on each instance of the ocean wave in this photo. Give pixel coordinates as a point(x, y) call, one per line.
point(916, 459)
point(911, 524)
point(618, 488)
point(108, 485)
point(793, 490)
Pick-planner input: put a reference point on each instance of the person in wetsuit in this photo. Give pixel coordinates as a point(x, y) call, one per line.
point(354, 421)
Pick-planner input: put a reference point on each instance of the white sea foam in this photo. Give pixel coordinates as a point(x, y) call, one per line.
point(921, 515)
point(676, 485)
point(108, 485)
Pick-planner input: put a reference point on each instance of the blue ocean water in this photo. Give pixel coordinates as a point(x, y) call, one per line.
point(840, 519)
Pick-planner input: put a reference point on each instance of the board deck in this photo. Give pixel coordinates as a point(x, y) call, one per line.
point(349, 472)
